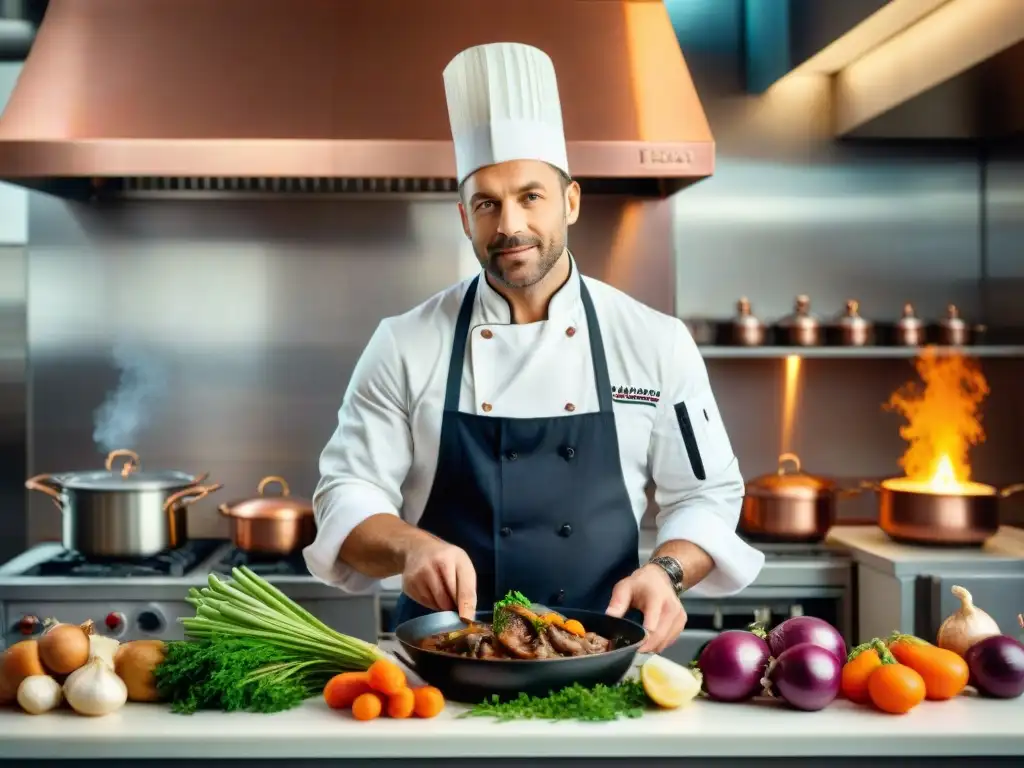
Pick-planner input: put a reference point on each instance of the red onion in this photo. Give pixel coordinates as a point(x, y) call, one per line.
point(806, 676)
point(997, 666)
point(732, 665)
point(806, 629)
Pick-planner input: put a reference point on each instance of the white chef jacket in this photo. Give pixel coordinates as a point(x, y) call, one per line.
point(383, 454)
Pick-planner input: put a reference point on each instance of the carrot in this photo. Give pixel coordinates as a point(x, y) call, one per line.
point(893, 687)
point(574, 627)
point(863, 661)
point(429, 701)
point(945, 673)
point(402, 704)
point(367, 706)
point(342, 690)
point(386, 677)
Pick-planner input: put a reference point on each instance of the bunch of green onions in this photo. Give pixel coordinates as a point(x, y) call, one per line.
point(252, 648)
point(247, 607)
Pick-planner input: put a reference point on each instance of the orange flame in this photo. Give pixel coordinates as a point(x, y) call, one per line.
point(943, 420)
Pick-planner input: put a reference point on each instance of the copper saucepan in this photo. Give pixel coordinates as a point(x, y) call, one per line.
point(271, 525)
point(909, 511)
point(790, 505)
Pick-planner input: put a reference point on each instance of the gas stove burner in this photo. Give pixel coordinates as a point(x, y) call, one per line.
point(263, 565)
point(172, 562)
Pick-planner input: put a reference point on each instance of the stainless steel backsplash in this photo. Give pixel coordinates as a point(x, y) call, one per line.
point(238, 323)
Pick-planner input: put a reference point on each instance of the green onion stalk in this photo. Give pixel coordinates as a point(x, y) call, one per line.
point(253, 648)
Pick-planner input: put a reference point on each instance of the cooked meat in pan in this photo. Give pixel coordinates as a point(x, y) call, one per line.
point(519, 633)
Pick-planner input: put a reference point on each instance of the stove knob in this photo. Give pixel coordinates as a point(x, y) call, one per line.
point(150, 621)
point(29, 625)
point(115, 622)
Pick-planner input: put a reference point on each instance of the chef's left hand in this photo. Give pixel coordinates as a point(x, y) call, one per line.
point(650, 591)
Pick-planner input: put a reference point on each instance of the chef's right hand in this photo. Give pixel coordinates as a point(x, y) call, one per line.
point(441, 576)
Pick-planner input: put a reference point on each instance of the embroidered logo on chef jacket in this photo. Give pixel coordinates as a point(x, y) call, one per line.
point(636, 395)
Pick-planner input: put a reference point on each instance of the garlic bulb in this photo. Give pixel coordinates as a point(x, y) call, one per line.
point(38, 694)
point(103, 648)
point(95, 689)
point(967, 626)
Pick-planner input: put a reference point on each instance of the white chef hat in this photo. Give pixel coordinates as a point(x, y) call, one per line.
point(503, 105)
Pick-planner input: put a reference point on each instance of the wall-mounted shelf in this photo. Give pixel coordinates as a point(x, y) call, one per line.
point(860, 353)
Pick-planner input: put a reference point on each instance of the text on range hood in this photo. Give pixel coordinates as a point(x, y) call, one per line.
point(333, 95)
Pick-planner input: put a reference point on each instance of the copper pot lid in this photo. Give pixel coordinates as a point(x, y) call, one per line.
point(283, 506)
point(790, 482)
point(128, 477)
point(851, 317)
point(801, 314)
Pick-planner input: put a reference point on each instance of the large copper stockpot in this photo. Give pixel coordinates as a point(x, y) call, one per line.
point(123, 512)
point(790, 505)
point(271, 525)
point(909, 511)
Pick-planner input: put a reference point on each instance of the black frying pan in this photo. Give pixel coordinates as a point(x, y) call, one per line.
point(470, 680)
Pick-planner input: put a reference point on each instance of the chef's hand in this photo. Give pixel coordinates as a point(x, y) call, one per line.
point(441, 576)
point(650, 591)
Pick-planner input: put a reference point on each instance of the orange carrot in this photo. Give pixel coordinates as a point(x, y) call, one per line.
point(343, 689)
point(945, 673)
point(402, 704)
point(863, 661)
point(429, 701)
point(386, 677)
point(367, 706)
point(894, 687)
point(574, 627)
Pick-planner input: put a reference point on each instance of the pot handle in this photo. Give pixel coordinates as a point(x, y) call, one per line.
point(1011, 490)
point(285, 490)
point(790, 458)
point(48, 485)
point(129, 466)
point(178, 501)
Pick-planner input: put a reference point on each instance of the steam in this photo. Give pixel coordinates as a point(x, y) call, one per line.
point(129, 408)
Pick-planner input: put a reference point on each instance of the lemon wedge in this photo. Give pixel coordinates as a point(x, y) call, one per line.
point(667, 684)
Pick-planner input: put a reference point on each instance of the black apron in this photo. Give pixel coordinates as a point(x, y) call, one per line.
point(539, 505)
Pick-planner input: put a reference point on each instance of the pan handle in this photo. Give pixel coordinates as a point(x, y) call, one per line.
point(178, 501)
point(790, 459)
point(46, 484)
point(1011, 490)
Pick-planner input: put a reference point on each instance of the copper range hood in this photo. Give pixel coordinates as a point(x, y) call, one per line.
point(332, 95)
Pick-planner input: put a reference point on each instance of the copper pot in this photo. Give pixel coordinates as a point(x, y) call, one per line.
point(849, 329)
point(910, 512)
point(800, 329)
point(272, 525)
point(747, 330)
point(952, 329)
point(909, 331)
point(790, 505)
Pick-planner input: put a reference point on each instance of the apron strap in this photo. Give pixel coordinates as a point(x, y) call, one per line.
point(453, 391)
point(601, 377)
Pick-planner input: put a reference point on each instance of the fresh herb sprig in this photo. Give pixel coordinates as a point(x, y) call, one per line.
point(501, 613)
point(601, 703)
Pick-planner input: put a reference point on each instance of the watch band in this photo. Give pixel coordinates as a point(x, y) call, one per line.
point(674, 569)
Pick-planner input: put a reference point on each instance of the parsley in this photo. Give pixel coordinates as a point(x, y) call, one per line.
point(599, 704)
point(236, 675)
point(501, 615)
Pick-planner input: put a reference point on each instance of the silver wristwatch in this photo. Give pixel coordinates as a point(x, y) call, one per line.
point(674, 570)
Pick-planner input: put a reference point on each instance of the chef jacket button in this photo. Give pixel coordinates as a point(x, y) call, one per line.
point(568, 452)
point(565, 531)
point(486, 333)
point(570, 331)
point(511, 455)
point(570, 407)
point(486, 407)
point(506, 531)
point(559, 597)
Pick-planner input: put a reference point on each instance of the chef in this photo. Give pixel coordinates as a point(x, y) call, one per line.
point(500, 436)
